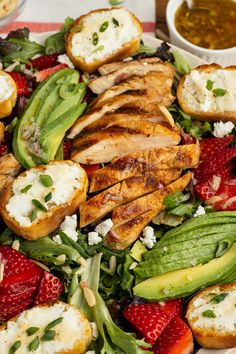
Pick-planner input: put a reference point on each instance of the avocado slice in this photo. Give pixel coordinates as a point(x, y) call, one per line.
point(137, 251)
point(185, 282)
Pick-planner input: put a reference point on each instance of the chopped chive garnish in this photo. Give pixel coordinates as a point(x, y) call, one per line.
point(217, 299)
point(98, 49)
point(114, 20)
point(219, 92)
point(39, 205)
point(95, 38)
point(48, 335)
point(53, 323)
point(14, 347)
point(32, 330)
point(116, 2)
point(26, 188)
point(34, 344)
point(48, 197)
point(209, 314)
point(104, 26)
point(46, 180)
point(209, 85)
point(33, 215)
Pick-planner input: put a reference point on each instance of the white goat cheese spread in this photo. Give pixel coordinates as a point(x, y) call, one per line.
point(202, 99)
point(6, 87)
point(92, 43)
point(222, 129)
point(149, 238)
point(66, 179)
point(104, 227)
point(72, 327)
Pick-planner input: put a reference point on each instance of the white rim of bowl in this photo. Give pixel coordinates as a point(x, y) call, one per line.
point(171, 24)
point(13, 12)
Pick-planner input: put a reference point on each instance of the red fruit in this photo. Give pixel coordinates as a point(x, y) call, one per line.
point(213, 163)
point(67, 149)
point(172, 307)
point(176, 338)
point(210, 146)
point(3, 149)
point(227, 192)
point(90, 169)
point(44, 74)
point(148, 319)
point(45, 61)
point(21, 83)
point(187, 139)
point(49, 290)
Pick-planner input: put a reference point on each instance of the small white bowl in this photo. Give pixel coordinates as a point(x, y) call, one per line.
point(224, 57)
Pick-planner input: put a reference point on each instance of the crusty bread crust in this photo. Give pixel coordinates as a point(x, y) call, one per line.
point(126, 50)
point(208, 338)
point(7, 105)
point(51, 220)
point(81, 345)
point(204, 116)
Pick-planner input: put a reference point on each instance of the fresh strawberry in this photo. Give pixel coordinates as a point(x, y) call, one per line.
point(210, 146)
point(21, 83)
point(67, 149)
point(148, 319)
point(45, 61)
point(90, 169)
point(49, 290)
point(3, 149)
point(187, 139)
point(44, 74)
point(213, 163)
point(227, 193)
point(172, 307)
point(176, 338)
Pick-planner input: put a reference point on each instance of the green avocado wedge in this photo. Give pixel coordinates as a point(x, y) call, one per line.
point(52, 109)
point(185, 282)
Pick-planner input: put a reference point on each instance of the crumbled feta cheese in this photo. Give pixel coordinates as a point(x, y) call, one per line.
point(93, 238)
point(64, 59)
point(57, 239)
point(200, 211)
point(148, 239)
point(94, 330)
point(69, 226)
point(222, 129)
point(215, 183)
point(104, 227)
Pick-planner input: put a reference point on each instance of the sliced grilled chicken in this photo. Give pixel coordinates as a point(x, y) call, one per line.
point(124, 192)
point(9, 169)
point(155, 82)
point(123, 236)
point(152, 201)
point(145, 162)
point(110, 67)
point(139, 213)
point(105, 82)
point(98, 111)
point(119, 140)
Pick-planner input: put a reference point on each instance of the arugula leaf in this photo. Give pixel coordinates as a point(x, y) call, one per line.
point(56, 42)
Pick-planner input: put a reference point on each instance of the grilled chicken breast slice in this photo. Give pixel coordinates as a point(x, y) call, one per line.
point(155, 82)
point(102, 83)
point(119, 140)
point(124, 192)
point(145, 162)
point(110, 67)
point(152, 201)
point(9, 169)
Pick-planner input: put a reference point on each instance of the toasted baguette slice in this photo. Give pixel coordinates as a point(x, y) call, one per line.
point(73, 333)
point(8, 94)
point(103, 36)
point(214, 332)
point(197, 98)
point(19, 204)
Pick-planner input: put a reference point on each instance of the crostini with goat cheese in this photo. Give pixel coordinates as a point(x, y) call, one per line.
point(8, 94)
point(38, 200)
point(103, 36)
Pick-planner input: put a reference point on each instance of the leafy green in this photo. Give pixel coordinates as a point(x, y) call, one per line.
point(173, 200)
point(56, 42)
point(181, 63)
point(127, 278)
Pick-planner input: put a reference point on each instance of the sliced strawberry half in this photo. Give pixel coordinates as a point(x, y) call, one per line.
point(45, 61)
point(210, 146)
point(21, 83)
point(44, 74)
point(49, 290)
point(227, 193)
point(176, 338)
point(67, 146)
point(148, 319)
point(172, 307)
point(3, 149)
